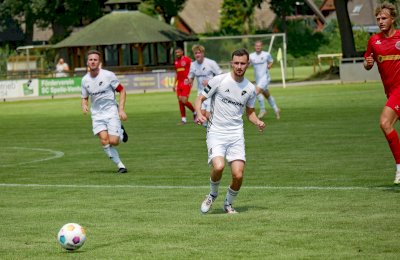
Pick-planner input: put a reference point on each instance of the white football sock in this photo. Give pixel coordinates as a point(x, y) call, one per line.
point(271, 101)
point(260, 98)
point(214, 188)
point(230, 196)
point(112, 153)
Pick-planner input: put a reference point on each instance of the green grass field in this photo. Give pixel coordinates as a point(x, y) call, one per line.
point(318, 182)
point(293, 74)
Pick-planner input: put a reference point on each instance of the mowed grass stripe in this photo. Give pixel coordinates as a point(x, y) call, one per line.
point(74, 186)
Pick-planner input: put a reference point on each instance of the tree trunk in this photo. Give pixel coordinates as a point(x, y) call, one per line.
point(28, 28)
point(346, 31)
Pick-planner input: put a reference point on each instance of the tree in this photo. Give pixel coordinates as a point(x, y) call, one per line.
point(237, 16)
point(60, 15)
point(283, 8)
point(167, 9)
point(346, 31)
point(303, 40)
point(21, 12)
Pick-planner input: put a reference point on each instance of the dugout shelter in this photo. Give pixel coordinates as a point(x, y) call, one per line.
point(129, 40)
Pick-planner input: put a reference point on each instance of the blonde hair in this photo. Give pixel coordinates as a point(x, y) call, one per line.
point(198, 47)
point(389, 6)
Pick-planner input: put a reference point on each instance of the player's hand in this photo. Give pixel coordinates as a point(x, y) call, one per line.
point(200, 119)
point(85, 109)
point(204, 82)
point(369, 61)
point(122, 115)
point(260, 125)
point(173, 89)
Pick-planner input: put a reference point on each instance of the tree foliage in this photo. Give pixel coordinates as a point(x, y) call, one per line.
point(302, 39)
point(167, 9)
point(237, 16)
point(59, 15)
point(283, 8)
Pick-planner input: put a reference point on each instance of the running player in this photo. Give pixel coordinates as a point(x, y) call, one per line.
point(230, 94)
point(203, 69)
point(384, 49)
point(183, 86)
point(101, 86)
point(262, 62)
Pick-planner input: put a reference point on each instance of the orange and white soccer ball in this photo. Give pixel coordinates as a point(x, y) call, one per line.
point(71, 236)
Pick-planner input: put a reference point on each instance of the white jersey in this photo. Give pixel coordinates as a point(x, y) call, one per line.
point(101, 90)
point(228, 102)
point(260, 64)
point(60, 70)
point(206, 70)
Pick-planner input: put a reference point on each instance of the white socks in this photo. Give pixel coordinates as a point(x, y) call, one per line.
point(271, 101)
point(260, 98)
point(214, 188)
point(230, 196)
point(112, 153)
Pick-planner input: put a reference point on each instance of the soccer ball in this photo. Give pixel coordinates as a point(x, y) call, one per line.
point(71, 236)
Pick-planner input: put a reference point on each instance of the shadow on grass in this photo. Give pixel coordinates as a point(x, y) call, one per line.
point(390, 188)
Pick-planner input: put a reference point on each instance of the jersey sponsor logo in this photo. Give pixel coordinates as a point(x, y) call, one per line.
point(207, 89)
point(97, 93)
point(382, 58)
point(397, 45)
point(227, 101)
point(180, 69)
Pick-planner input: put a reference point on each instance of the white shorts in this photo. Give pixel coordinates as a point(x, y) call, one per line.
point(229, 146)
point(111, 125)
point(263, 83)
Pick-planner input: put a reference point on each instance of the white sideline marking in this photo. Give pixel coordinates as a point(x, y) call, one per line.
point(56, 154)
point(191, 187)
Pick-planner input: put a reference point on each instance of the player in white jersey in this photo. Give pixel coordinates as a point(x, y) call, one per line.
point(231, 95)
point(262, 62)
point(100, 85)
point(203, 69)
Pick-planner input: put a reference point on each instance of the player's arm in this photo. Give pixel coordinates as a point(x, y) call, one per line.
point(200, 118)
point(122, 98)
point(85, 105)
point(175, 82)
point(251, 115)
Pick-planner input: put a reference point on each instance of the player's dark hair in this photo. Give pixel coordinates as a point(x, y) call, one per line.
point(179, 48)
point(240, 52)
point(95, 52)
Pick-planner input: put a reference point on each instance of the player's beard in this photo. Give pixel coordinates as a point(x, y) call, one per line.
point(239, 72)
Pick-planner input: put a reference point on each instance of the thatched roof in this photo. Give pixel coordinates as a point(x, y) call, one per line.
point(124, 27)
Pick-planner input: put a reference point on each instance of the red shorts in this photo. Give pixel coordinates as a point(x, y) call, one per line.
point(183, 90)
point(394, 102)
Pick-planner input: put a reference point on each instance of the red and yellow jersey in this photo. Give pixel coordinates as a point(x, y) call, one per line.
point(182, 68)
point(386, 53)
